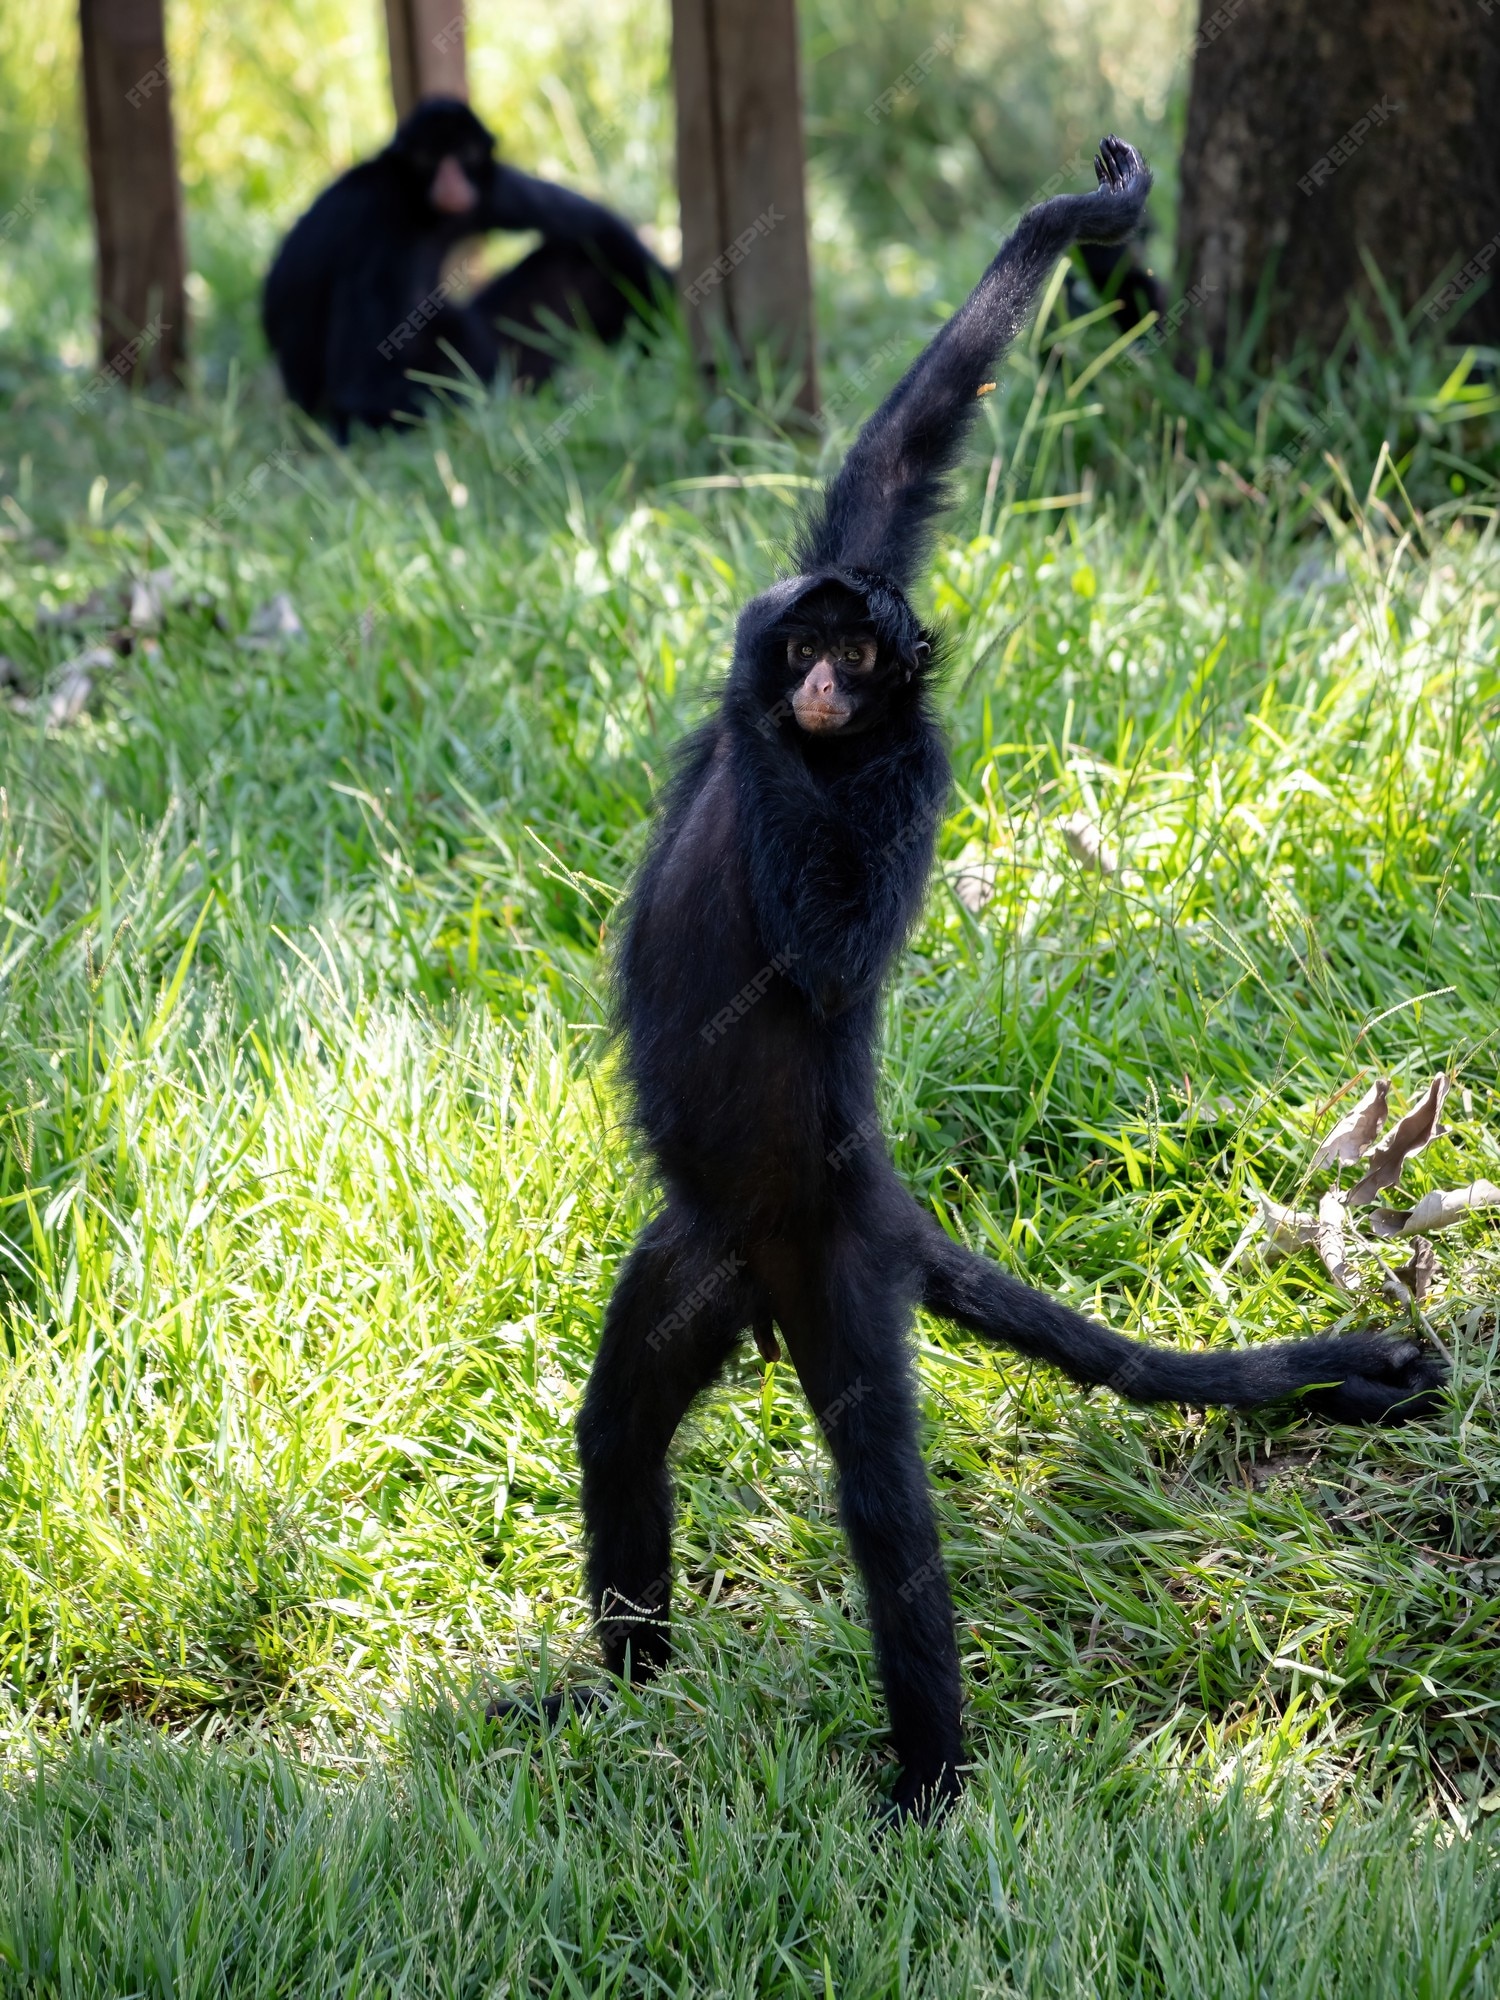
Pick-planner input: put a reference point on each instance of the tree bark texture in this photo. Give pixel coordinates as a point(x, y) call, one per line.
point(426, 42)
point(1321, 129)
point(127, 97)
point(745, 272)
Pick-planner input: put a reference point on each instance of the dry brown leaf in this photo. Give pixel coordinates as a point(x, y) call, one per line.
point(71, 696)
point(973, 878)
point(272, 624)
point(148, 597)
point(1330, 1241)
point(1385, 1222)
point(1414, 1279)
point(1287, 1230)
point(71, 690)
point(1439, 1209)
point(1085, 842)
point(1408, 1137)
point(75, 684)
point(1353, 1136)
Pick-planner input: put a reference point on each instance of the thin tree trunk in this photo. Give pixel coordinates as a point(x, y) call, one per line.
point(127, 96)
point(426, 42)
point(1318, 129)
point(745, 271)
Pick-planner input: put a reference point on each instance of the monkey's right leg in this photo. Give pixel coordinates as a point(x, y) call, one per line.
point(680, 1303)
point(530, 307)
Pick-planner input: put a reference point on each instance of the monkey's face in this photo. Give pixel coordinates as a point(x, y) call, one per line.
point(834, 678)
point(450, 155)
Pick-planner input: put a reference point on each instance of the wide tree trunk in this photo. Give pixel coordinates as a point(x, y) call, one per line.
point(1320, 129)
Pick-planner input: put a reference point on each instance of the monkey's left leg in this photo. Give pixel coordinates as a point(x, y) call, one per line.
point(845, 1327)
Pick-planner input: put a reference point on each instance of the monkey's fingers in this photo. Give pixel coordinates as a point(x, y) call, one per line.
point(1117, 165)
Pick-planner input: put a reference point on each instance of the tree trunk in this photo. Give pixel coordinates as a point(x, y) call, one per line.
point(426, 41)
point(127, 97)
point(1318, 129)
point(745, 272)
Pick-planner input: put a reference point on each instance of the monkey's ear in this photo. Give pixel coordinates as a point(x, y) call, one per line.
point(920, 654)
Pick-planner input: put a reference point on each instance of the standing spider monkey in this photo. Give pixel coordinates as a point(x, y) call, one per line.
point(356, 300)
point(788, 864)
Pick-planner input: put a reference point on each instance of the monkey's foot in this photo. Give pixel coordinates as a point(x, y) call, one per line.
point(1393, 1381)
point(922, 1797)
point(508, 1708)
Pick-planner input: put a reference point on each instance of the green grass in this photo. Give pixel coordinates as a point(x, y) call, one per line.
point(313, 1181)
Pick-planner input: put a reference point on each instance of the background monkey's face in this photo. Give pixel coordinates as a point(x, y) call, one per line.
point(449, 154)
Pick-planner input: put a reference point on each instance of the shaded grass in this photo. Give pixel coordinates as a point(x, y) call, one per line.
point(471, 1866)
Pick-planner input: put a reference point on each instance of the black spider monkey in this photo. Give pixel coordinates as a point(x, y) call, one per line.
point(355, 299)
point(787, 866)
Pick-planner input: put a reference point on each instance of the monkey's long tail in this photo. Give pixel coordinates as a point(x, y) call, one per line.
point(877, 512)
point(1356, 1378)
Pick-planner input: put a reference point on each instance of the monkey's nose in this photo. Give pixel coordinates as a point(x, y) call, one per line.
point(452, 192)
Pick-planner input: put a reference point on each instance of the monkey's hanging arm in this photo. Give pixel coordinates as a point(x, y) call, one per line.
point(518, 201)
point(877, 513)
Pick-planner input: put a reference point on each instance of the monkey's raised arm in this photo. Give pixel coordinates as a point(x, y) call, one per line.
point(877, 513)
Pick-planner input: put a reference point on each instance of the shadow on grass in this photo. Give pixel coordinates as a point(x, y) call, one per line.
point(623, 1854)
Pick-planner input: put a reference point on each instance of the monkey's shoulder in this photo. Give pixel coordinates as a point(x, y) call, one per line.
point(694, 839)
point(359, 197)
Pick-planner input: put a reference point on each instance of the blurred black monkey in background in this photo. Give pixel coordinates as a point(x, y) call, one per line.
point(788, 863)
point(356, 298)
point(1116, 272)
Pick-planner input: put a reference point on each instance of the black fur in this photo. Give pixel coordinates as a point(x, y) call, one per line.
point(354, 303)
point(789, 862)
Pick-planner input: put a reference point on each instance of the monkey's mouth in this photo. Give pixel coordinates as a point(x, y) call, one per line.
point(821, 715)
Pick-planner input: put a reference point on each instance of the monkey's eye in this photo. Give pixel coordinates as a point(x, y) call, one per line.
point(804, 651)
point(854, 655)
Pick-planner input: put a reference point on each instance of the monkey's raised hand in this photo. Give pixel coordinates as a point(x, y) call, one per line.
point(1120, 168)
point(877, 514)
